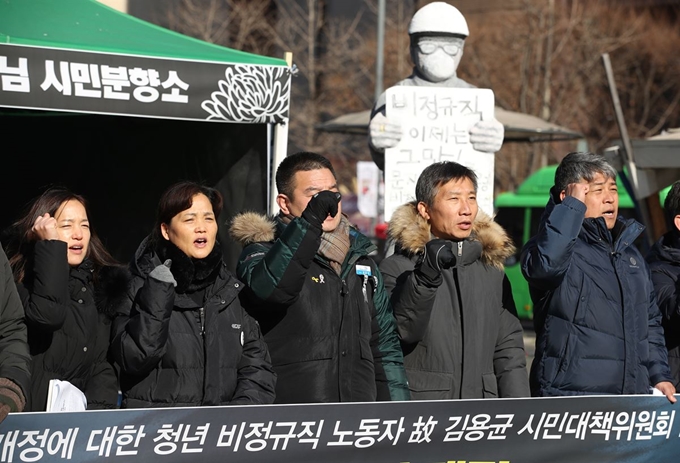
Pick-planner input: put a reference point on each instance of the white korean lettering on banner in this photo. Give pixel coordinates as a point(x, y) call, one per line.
point(435, 125)
point(63, 86)
point(307, 434)
point(62, 443)
point(342, 436)
point(145, 81)
point(172, 434)
point(258, 436)
point(83, 76)
point(283, 432)
point(9, 441)
point(627, 426)
point(32, 444)
point(114, 80)
point(422, 430)
point(477, 427)
point(101, 441)
point(230, 436)
point(174, 83)
point(109, 82)
point(129, 435)
point(392, 437)
point(14, 79)
point(371, 431)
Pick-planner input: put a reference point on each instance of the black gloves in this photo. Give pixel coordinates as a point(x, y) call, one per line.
point(163, 273)
point(321, 205)
point(438, 256)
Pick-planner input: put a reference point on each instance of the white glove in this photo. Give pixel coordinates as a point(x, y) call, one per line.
point(487, 136)
point(382, 133)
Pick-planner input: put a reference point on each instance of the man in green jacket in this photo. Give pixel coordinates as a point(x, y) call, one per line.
point(318, 297)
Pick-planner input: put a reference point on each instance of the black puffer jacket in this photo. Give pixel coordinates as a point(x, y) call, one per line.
point(69, 326)
point(462, 339)
point(174, 353)
point(664, 263)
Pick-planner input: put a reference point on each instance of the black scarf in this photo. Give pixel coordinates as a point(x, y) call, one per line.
point(191, 274)
point(674, 238)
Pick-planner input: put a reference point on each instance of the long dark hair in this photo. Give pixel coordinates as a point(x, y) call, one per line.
point(22, 239)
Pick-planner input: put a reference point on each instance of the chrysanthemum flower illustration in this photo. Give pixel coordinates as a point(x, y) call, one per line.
point(250, 94)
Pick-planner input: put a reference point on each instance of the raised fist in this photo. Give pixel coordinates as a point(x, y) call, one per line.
point(45, 228)
point(578, 191)
point(438, 256)
point(321, 205)
point(162, 273)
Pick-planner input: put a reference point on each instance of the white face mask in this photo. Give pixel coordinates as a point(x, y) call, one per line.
point(437, 58)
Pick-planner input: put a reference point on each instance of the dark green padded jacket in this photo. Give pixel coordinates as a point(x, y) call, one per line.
point(332, 338)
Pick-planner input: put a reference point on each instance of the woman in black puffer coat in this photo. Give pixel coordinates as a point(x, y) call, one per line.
point(68, 284)
point(182, 338)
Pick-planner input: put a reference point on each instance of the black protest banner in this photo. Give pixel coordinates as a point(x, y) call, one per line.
point(595, 429)
point(109, 83)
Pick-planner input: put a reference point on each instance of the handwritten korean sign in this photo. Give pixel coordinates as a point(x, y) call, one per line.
point(435, 125)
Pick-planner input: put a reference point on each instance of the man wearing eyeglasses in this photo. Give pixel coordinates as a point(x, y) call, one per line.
point(438, 32)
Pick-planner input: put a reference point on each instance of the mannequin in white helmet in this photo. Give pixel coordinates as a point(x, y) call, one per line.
point(438, 32)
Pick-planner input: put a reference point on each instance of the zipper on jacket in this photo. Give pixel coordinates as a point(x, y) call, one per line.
point(201, 315)
point(624, 327)
point(460, 249)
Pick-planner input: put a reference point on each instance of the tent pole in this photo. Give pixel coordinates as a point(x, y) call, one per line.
point(280, 150)
point(270, 130)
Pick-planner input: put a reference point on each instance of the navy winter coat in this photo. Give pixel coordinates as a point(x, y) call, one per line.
point(598, 327)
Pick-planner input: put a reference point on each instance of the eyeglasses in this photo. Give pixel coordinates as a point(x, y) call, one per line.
point(429, 47)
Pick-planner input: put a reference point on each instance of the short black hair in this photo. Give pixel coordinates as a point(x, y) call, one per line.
point(671, 205)
point(299, 162)
point(577, 166)
point(179, 197)
point(438, 174)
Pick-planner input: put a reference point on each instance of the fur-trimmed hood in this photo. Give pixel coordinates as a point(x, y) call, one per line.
point(411, 232)
point(252, 227)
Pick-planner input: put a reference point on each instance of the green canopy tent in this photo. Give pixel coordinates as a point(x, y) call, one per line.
point(69, 69)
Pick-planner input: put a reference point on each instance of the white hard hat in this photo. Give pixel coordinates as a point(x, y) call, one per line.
point(438, 17)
